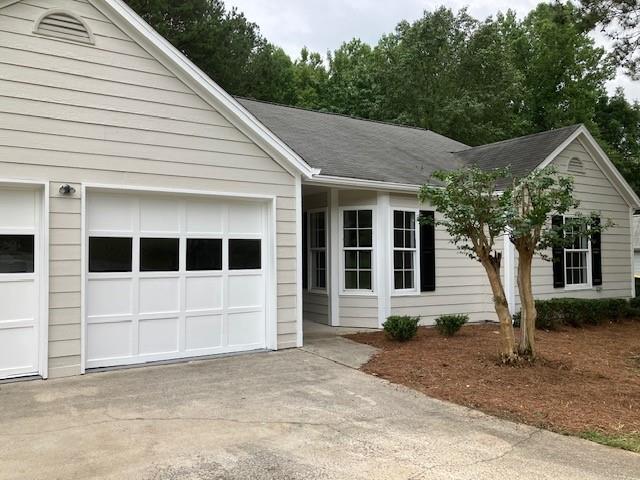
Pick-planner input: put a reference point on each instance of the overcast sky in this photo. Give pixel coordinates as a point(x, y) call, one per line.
point(323, 25)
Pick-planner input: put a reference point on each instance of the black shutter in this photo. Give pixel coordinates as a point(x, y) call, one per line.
point(427, 254)
point(558, 256)
point(596, 254)
point(305, 255)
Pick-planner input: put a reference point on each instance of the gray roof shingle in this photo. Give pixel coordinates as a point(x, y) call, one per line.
point(344, 146)
point(522, 154)
point(349, 147)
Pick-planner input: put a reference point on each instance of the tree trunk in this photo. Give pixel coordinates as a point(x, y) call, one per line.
point(527, 347)
point(508, 351)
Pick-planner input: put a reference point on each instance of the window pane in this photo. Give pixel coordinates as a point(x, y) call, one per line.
point(409, 220)
point(398, 219)
point(204, 254)
point(408, 279)
point(398, 238)
point(410, 238)
point(350, 238)
point(321, 281)
point(350, 218)
point(364, 218)
point(245, 254)
point(398, 280)
point(350, 280)
point(397, 260)
point(16, 253)
point(364, 259)
point(110, 254)
point(365, 238)
point(365, 280)
point(351, 259)
point(159, 254)
point(408, 260)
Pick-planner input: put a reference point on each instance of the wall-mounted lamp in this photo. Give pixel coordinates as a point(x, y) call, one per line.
point(67, 190)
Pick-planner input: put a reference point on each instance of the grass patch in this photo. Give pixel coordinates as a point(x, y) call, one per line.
point(630, 441)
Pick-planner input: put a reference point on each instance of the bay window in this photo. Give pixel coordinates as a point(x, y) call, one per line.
point(404, 250)
point(357, 245)
point(318, 250)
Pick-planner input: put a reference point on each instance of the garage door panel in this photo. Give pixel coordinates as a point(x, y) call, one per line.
point(204, 293)
point(245, 329)
point(203, 332)
point(17, 209)
point(18, 352)
point(159, 295)
point(110, 213)
point(16, 300)
point(246, 291)
point(204, 218)
point(109, 340)
point(109, 296)
point(244, 219)
point(158, 336)
point(159, 216)
point(202, 304)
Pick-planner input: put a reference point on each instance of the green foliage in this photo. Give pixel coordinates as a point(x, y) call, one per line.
point(628, 441)
point(576, 312)
point(474, 81)
point(401, 328)
point(449, 325)
point(634, 303)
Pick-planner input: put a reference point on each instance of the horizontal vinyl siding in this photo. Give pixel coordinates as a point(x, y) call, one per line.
point(595, 193)
point(461, 283)
point(112, 114)
point(316, 307)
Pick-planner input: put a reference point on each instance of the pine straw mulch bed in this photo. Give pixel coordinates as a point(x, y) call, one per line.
point(587, 380)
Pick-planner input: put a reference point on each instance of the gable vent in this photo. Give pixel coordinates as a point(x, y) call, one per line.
point(575, 166)
point(65, 25)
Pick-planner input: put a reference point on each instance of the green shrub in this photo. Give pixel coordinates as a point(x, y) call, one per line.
point(448, 325)
point(635, 303)
point(577, 312)
point(401, 328)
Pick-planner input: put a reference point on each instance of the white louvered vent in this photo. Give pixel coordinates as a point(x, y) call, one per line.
point(575, 166)
point(63, 24)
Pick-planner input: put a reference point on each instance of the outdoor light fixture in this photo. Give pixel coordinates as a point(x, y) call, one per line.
point(67, 189)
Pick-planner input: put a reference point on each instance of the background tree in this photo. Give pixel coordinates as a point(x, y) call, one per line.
point(474, 216)
point(620, 21)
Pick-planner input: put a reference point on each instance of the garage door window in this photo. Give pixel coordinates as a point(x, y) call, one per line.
point(204, 254)
point(16, 253)
point(110, 254)
point(245, 254)
point(159, 254)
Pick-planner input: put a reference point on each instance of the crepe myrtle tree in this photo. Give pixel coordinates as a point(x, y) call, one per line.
point(475, 218)
point(530, 203)
point(476, 213)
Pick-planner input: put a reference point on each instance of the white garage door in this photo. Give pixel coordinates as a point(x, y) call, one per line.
point(20, 266)
point(172, 277)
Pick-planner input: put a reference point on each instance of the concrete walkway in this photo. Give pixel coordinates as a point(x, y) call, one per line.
point(284, 415)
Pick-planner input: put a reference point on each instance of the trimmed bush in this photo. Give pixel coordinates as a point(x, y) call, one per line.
point(577, 312)
point(448, 325)
point(401, 328)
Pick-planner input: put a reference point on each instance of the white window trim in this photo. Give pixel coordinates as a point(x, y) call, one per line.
point(416, 271)
point(310, 250)
point(374, 265)
point(577, 286)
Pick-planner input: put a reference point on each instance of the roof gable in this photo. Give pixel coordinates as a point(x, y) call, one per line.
point(159, 48)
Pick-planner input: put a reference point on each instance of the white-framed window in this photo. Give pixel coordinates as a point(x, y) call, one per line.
point(317, 225)
point(357, 250)
point(577, 258)
point(405, 257)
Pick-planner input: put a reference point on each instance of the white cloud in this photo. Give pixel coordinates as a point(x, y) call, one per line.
point(323, 25)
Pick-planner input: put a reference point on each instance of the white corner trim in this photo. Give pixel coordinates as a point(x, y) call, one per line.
point(633, 251)
point(334, 258)
point(603, 161)
point(123, 16)
point(384, 256)
point(299, 260)
point(509, 272)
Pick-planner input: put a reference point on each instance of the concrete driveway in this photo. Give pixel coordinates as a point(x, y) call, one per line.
point(283, 415)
